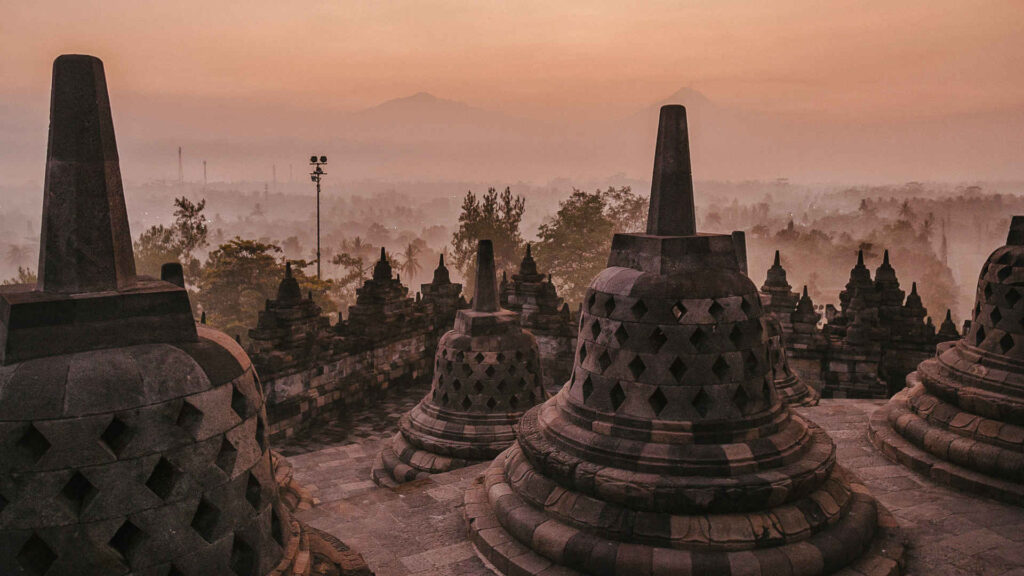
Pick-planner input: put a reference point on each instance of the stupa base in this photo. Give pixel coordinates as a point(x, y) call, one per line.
point(899, 449)
point(553, 543)
point(796, 393)
point(400, 462)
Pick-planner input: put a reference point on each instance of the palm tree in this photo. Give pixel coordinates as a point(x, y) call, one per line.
point(410, 264)
point(16, 254)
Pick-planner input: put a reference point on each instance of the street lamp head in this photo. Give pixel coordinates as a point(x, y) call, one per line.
point(323, 159)
point(312, 159)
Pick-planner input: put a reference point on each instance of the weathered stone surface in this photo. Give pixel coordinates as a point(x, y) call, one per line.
point(670, 442)
point(960, 418)
point(486, 375)
point(146, 450)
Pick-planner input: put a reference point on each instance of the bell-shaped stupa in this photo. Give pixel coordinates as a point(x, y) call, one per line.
point(960, 420)
point(132, 441)
point(669, 451)
point(486, 375)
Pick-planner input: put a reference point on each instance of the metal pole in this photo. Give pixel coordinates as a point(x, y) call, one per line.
point(318, 229)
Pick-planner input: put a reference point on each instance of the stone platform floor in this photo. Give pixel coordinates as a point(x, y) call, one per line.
point(419, 528)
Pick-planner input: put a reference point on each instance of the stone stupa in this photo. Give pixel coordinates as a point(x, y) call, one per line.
point(960, 420)
point(132, 441)
point(486, 375)
point(669, 451)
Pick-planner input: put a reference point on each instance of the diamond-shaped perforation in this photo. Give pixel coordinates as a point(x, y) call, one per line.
point(979, 336)
point(609, 305)
point(716, 310)
point(501, 386)
point(995, 316)
point(261, 434)
point(500, 358)
point(3, 503)
point(478, 386)
point(467, 370)
point(678, 311)
point(736, 336)
point(490, 371)
point(127, 541)
point(741, 399)
point(445, 399)
point(466, 403)
point(78, 492)
point(116, 436)
point(750, 361)
point(513, 402)
point(33, 443)
point(637, 367)
point(639, 309)
point(583, 351)
point(587, 388)
point(699, 339)
point(678, 370)
point(163, 478)
point(604, 360)
point(243, 557)
point(512, 369)
point(456, 384)
point(205, 520)
point(253, 491)
point(239, 403)
point(702, 402)
point(621, 335)
point(595, 328)
point(1004, 273)
point(190, 418)
point(460, 356)
point(617, 396)
point(491, 403)
point(479, 357)
point(988, 291)
point(1012, 297)
point(720, 368)
point(591, 302)
point(35, 557)
point(657, 339)
point(1006, 343)
point(658, 401)
point(227, 456)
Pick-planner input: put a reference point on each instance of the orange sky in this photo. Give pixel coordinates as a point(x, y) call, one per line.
point(838, 59)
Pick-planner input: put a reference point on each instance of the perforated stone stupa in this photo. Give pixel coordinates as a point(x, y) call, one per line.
point(131, 440)
point(486, 375)
point(961, 418)
point(669, 451)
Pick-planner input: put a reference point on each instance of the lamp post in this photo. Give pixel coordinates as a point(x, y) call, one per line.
point(316, 175)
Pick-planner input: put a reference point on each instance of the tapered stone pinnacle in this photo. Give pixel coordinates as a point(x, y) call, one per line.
point(174, 273)
point(778, 260)
point(85, 245)
point(485, 297)
point(860, 257)
point(1016, 235)
point(671, 210)
point(885, 257)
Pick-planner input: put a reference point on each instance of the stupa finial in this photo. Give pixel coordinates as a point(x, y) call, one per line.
point(86, 245)
point(671, 211)
point(485, 296)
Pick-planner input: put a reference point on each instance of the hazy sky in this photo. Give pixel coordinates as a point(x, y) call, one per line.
point(262, 62)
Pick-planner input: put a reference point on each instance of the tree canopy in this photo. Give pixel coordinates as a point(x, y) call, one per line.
point(494, 217)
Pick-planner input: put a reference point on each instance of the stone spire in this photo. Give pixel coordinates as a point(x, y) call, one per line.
point(485, 294)
point(671, 211)
point(660, 432)
point(441, 275)
point(85, 245)
point(528, 267)
point(947, 330)
point(487, 373)
point(288, 290)
point(978, 380)
point(382, 269)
